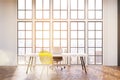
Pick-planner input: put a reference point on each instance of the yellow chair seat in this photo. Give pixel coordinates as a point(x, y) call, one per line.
point(45, 57)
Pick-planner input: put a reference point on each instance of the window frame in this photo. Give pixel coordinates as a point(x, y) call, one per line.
point(68, 20)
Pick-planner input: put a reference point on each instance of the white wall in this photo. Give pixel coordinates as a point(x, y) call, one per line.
point(8, 32)
point(110, 32)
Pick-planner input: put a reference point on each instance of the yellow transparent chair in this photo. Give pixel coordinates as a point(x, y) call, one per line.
point(46, 58)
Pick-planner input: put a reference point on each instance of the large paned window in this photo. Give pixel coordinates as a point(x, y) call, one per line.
point(74, 25)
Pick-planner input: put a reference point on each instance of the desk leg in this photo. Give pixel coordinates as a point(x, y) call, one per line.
point(31, 64)
point(69, 60)
point(28, 64)
point(83, 64)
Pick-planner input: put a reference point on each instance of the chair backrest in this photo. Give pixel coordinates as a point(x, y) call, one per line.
point(56, 50)
point(45, 57)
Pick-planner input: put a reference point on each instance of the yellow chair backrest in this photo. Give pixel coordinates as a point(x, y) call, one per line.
point(45, 57)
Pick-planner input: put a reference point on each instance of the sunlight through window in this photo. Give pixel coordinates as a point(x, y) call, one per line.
point(74, 25)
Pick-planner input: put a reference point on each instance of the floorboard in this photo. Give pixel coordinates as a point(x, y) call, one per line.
point(73, 72)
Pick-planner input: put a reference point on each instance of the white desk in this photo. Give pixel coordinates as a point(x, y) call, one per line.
point(81, 55)
point(72, 54)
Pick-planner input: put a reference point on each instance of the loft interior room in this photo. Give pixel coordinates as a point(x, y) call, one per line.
point(59, 40)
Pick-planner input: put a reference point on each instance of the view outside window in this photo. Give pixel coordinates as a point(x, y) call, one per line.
point(74, 25)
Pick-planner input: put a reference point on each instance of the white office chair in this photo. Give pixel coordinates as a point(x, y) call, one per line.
point(57, 60)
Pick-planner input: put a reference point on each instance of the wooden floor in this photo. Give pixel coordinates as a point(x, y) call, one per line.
point(73, 72)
